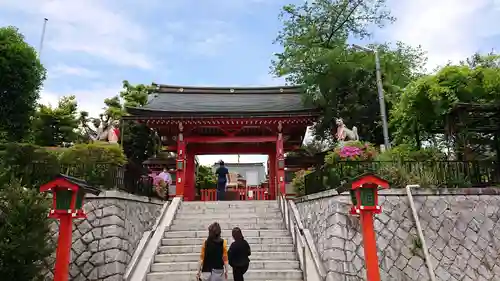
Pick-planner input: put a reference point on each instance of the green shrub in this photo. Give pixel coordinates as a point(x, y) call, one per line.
point(93, 153)
point(405, 152)
point(100, 164)
point(403, 165)
point(299, 183)
point(24, 233)
point(205, 178)
point(29, 164)
point(426, 174)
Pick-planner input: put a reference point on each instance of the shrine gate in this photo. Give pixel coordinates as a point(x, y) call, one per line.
point(222, 120)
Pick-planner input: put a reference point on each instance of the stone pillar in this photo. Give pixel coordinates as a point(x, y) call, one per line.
point(280, 162)
point(180, 163)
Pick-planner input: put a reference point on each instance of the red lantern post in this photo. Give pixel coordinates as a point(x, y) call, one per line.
point(67, 201)
point(364, 196)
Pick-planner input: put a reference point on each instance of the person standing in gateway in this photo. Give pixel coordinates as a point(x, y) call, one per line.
point(222, 179)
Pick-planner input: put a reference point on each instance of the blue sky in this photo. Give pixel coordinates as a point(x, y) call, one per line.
point(92, 45)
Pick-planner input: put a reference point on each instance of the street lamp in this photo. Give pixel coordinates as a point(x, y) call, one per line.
point(381, 100)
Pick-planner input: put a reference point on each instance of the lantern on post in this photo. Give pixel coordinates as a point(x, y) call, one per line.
point(363, 191)
point(68, 194)
point(180, 164)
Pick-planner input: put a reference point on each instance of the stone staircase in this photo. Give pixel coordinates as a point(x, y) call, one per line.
point(273, 256)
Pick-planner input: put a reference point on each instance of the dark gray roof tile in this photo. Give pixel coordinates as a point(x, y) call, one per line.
point(229, 100)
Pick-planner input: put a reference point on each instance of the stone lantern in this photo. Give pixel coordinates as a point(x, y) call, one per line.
point(363, 191)
point(68, 195)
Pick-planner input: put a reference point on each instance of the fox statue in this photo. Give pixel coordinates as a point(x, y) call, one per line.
point(344, 134)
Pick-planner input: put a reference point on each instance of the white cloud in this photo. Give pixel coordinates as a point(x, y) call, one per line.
point(450, 30)
point(211, 44)
point(48, 98)
point(88, 27)
point(202, 37)
point(64, 70)
point(90, 100)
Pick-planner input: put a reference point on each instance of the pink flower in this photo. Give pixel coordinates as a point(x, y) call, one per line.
point(350, 152)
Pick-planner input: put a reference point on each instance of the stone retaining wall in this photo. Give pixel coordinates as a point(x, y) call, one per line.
point(460, 227)
point(104, 242)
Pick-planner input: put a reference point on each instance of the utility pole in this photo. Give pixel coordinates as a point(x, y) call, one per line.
point(381, 98)
point(42, 38)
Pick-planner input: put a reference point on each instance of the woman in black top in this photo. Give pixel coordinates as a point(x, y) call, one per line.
point(213, 256)
point(238, 255)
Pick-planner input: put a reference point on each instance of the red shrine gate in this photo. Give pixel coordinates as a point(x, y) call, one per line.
point(215, 120)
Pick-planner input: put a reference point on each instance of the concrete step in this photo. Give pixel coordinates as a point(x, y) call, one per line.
point(207, 220)
point(185, 249)
point(226, 215)
point(251, 275)
point(197, 226)
point(231, 204)
point(254, 210)
point(195, 257)
point(254, 265)
point(227, 232)
point(250, 240)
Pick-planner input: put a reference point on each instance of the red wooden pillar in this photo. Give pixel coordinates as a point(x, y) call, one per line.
point(63, 248)
point(370, 246)
point(190, 182)
point(181, 163)
point(280, 162)
point(272, 175)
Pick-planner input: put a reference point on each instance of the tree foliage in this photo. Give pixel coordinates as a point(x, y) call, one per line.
point(425, 102)
point(28, 164)
point(56, 126)
point(98, 163)
point(139, 141)
point(205, 178)
point(311, 148)
point(337, 78)
point(21, 77)
point(25, 233)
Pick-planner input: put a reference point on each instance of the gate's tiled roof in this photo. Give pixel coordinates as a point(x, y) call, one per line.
point(178, 100)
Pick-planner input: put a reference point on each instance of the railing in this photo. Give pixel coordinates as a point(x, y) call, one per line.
point(426, 173)
point(208, 194)
point(243, 194)
point(309, 260)
point(34, 174)
point(143, 186)
point(140, 263)
point(102, 175)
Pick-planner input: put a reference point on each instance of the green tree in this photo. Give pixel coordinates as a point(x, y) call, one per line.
point(338, 78)
point(424, 104)
point(28, 164)
point(311, 148)
point(57, 126)
point(25, 233)
point(85, 133)
point(139, 141)
point(205, 178)
point(21, 77)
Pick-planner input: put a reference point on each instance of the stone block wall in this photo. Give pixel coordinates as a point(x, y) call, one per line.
point(104, 243)
point(460, 226)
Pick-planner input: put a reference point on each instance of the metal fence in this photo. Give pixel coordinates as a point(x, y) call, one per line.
point(426, 173)
point(102, 175)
